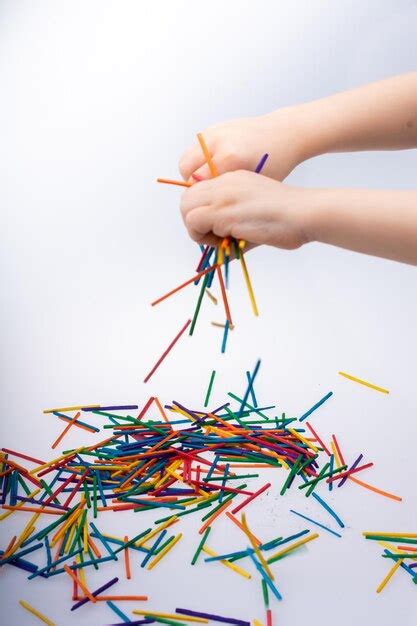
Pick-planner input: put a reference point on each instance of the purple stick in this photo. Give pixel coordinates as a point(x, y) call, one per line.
point(97, 592)
point(216, 618)
point(261, 164)
point(355, 464)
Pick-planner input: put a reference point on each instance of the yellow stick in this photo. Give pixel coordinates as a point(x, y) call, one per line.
point(248, 284)
point(389, 575)
point(59, 458)
point(255, 546)
point(303, 439)
point(212, 298)
point(232, 566)
point(61, 409)
point(407, 535)
point(363, 382)
point(178, 616)
point(37, 614)
point(163, 552)
point(155, 531)
point(295, 545)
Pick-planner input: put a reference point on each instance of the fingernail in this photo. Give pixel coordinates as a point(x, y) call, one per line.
point(197, 177)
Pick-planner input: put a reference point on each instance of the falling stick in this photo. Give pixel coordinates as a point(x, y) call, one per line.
point(207, 155)
point(187, 282)
point(316, 523)
point(224, 296)
point(127, 560)
point(277, 555)
point(212, 298)
point(169, 181)
point(388, 576)
point(198, 305)
point(316, 406)
point(248, 284)
point(164, 354)
point(254, 545)
point(268, 617)
point(225, 335)
point(363, 382)
point(239, 525)
point(210, 386)
point(35, 612)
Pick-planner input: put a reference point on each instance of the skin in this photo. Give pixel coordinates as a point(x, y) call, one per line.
point(262, 210)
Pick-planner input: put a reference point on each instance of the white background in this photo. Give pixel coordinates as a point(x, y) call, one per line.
point(97, 100)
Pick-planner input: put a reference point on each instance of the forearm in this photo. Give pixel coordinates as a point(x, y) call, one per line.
point(378, 116)
point(380, 223)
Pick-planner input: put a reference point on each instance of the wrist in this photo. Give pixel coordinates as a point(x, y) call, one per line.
point(305, 128)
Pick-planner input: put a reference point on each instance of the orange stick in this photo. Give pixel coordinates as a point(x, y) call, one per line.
point(207, 155)
point(407, 548)
point(81, 584)
point(240, 525)
point(187, 282)
point(66, 429)
point(11, 543)
point(224, 296)
point(375, 489)
point(169, 181)
point(94, 547)
point(211, 519)
point(127, 560)
point(89, 430)
point(32, 509)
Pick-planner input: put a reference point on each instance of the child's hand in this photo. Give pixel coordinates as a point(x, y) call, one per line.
point(241, 143)
point(247, 206)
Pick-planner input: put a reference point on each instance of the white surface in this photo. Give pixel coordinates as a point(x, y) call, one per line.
point(97, 100)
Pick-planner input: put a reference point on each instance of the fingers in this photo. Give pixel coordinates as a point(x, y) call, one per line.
point(224, 156)
point(191, 160)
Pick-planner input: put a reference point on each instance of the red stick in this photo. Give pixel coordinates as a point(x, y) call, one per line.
point(252, 497)
point(58, 491)
point(164, 354)
point(187, 282)
point(22, 456)
point(342, 460)
point(145, 408)
point(322, 444)
point(268, 617)
point(76, 488)
point(349, 472)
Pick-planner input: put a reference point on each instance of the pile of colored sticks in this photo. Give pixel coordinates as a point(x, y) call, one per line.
point(214, 262)
point(175, 461)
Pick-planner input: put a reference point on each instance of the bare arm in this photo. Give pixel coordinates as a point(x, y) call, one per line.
point(378, 116)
